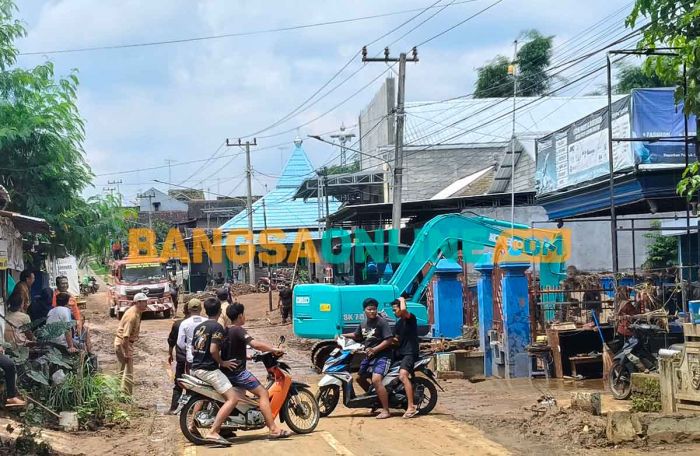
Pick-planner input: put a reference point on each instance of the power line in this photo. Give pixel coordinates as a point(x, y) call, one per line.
point(229, 35)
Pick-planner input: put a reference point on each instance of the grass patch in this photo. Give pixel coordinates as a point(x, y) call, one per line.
point(99, 269)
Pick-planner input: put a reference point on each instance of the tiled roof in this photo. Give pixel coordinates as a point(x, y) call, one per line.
point(282, 210)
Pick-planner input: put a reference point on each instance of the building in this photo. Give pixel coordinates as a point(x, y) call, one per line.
point(154, 204)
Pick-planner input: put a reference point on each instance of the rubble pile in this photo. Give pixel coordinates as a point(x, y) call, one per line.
point(238, 289)
point(566, 425)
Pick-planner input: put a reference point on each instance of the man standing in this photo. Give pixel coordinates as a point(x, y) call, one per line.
point(62, 287)
point(180, 358)
point(285, 303)
point(223, 296)
point(406, 334)
point(127, 335)
point(186, 330)
point(376, 335)
point(24, 287)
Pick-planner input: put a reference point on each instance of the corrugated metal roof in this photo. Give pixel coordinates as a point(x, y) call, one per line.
point(459, 185)
point(489, 120)
point(283, 211)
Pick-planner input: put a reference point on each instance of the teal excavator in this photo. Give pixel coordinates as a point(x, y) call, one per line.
point(324, 311)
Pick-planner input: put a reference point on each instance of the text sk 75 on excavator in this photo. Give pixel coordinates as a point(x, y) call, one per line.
point(324, 311)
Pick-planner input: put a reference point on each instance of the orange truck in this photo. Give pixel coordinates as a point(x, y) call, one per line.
point(140, 275)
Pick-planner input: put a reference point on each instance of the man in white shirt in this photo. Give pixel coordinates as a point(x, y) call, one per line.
point(186, 331)
point(62, 313)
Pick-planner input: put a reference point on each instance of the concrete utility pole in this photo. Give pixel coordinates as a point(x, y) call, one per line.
point(398, 143)
point(150, 196)
point(249, 177)
point(117, 183)
point(269, 268)
point(169, 162)
point(514, 71)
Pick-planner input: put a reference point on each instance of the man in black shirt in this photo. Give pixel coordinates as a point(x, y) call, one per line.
point(180, 358)
point(375, 334)
point(406, 334)
point(235, 343)
point(285, 303)
point(206, 354)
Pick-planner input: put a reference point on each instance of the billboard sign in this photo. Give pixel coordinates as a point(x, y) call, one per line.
point(578, 153)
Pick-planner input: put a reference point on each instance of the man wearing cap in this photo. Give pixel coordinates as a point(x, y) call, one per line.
point(186, 331)
point(127, 335)
point(180, 358)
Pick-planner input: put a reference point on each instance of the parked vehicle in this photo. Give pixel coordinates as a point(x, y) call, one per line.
point(275, 282)
point(338, 379)
point(639, 353)
point(140, 275)
point(289, 399)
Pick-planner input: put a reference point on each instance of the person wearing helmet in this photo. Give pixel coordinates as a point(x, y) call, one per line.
point(127, 334)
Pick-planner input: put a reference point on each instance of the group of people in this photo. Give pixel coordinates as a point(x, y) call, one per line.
point(382, 346)
point(213, 348)
point(52, 305)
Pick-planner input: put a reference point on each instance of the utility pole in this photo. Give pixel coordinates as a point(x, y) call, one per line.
point(325, 194)
point(170, 175)
point(512, 69)
point(398, 143)
point(117, 183)
point(150, 197)
point(269, 268)
point(249, 177)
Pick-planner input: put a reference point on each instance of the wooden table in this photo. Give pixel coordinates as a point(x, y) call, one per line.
point(586, 359)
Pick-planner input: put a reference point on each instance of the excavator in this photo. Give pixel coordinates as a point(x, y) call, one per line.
point(324, 311)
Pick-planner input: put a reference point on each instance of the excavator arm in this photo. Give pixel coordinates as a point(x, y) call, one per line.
point(440, 238)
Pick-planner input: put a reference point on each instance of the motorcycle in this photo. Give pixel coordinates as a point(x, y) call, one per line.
point(337, 376)
point(90, 287)
point(289, 399)
point(639, 353)
point(277, 282)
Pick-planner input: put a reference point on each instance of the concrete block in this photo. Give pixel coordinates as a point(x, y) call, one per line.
point(470, 363)
point(450, 375)
point(671, 428)
point(620, 428)
point(586, 401)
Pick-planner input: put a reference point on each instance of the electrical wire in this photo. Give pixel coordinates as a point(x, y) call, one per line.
point(229, 35)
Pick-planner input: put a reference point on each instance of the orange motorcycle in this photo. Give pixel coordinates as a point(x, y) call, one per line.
point(289, 399)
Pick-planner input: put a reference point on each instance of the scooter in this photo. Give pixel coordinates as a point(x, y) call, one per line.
point(638, 354)
point(337, 377)
point(291, 400)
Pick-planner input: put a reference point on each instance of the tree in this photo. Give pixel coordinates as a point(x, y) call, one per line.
point(533, 58)
point(674, 24)
point(662, 251)
point(635, 77)
point(41, 135)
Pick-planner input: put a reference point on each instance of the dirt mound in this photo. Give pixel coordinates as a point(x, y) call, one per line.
point(567, 427)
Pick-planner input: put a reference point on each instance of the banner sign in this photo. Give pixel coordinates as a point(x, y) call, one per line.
point(578, 153)
point(656, 115)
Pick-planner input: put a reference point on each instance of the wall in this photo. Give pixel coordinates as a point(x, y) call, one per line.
point(376, 125)
point(591, 244)
point(167, 203)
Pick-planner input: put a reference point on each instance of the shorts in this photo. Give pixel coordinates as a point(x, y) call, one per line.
point(244, 379)
point(371, 366)
point(215, 378)
point(407, 362)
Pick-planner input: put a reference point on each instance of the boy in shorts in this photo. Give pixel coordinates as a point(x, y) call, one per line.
point(236, 341)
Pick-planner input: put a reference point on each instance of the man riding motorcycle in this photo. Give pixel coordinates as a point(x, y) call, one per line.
point(375, 333)
point(236, 340)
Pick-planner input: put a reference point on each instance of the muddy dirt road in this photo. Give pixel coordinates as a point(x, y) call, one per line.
point(486, 418)
point(345, 432)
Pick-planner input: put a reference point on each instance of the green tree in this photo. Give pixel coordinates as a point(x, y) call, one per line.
point(662, 251)
point(41, 144)
point(533, 58)
point(635, 77)
point(674, 24)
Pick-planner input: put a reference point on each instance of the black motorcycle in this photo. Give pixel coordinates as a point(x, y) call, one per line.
point(639, 353)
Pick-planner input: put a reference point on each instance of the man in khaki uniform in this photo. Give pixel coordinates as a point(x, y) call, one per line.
point(127, 334)
point(222, 295)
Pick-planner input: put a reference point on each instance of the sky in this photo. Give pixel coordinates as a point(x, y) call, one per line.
point(145, 105)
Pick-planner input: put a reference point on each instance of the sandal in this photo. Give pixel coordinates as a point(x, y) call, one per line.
point(410, 413)
point(281, 435)
point(217, 441)
point(383, 416)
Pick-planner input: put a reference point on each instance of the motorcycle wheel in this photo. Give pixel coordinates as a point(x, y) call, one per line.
point(328, 398)
point(263, 288)
point(322, 354)
point(187, 416)
point(301, 412)
point(620, 381)
point(428, 394)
